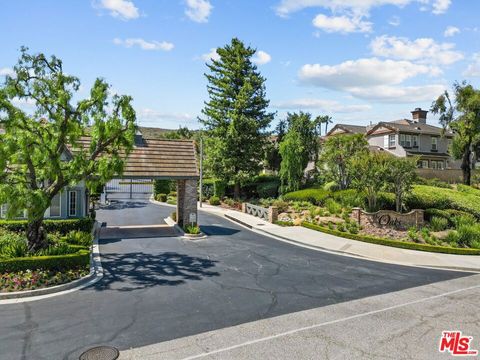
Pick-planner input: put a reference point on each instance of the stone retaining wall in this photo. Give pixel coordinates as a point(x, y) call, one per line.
point(390, 218)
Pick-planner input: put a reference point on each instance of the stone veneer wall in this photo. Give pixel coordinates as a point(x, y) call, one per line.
point(186, 202)
point(390, 218)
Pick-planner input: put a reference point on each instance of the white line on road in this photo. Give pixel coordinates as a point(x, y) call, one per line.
point(290, 332)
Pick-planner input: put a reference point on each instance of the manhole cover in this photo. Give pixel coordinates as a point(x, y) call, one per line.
point(100, 353)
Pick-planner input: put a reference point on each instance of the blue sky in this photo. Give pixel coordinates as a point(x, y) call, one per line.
point(359, 61)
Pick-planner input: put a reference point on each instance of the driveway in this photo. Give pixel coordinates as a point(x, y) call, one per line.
point(162, 288)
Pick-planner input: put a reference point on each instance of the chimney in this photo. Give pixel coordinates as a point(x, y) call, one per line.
point(139, 139)
point(419, 116)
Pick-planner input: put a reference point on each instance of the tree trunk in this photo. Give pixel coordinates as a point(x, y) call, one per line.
point(236, 190)
point(36, 235)
point(466, 166)
point(398, 202)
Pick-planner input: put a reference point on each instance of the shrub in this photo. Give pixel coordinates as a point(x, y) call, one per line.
point(352, 227)
point(57, 263)
point(386, 201)
point(425, 197)
point(333, 207)
point(281, 205)
point(79, 238)
point(349, 198)
point(267, 189)
point(413, 234)
point(434, 182)
point(61, 226)
point(207, 187)
point(171, 200)
point(192, 229)
point(161, 197)
point(468, 234)
point(219, 187)
point(315, 196)
point(162, 186)
point(438, 223)
point(59, 249)
point(214, 200)
point(173, 215)
point(341, 227)
point(331, 186)
point(13, 245)
point(229, 202)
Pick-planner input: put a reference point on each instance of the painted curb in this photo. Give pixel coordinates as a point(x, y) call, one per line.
point(96, 273)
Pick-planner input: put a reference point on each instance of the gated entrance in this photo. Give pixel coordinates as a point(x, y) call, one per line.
point(129, 188)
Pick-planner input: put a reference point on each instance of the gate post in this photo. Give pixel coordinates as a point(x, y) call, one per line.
point(187, 202)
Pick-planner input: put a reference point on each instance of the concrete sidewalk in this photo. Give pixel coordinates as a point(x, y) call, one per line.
point(331, 243)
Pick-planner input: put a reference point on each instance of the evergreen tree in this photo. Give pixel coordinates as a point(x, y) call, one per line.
point(235, 117)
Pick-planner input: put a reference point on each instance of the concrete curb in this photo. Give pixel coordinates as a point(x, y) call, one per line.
point(182, 233)
point(153, 201)
point(96, 273)
point(343, 253)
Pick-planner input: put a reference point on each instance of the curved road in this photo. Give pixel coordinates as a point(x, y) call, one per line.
point(161, 288)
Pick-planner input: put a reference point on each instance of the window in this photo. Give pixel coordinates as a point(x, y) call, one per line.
point(391, 141)
point(402, 139)
point(434, 143)
point(414, 140)
point(437, 164)
point(55, 206)
point(72, 203)
point(424, 164)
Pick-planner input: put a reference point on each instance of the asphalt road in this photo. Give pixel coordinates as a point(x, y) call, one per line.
point(162, 288)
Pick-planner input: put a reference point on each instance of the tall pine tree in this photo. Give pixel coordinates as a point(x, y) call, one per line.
point(235, 117)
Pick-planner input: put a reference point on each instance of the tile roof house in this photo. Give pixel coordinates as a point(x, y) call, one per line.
point(407, 137)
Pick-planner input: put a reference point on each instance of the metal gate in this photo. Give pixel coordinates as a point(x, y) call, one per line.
point(129, 188)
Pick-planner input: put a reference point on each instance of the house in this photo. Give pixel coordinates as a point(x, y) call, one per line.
point(407, 138)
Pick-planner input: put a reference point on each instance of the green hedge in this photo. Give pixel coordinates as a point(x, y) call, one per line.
point(61, 226)
point(163, 186)
point(394, 243)
point(426, 197)
point(315, 196)
point(56, 263)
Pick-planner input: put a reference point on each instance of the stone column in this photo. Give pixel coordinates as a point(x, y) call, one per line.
point(356, 212)
point(180, 201)
point(187, 202)
point(272, 214)
point(244, 207)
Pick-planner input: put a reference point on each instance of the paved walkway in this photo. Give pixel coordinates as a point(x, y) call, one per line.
point(337, 244)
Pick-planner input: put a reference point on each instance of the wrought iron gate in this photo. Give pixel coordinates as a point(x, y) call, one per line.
point(129, 188)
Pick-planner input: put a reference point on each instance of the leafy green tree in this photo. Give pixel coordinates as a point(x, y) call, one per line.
point(235, 117)
point(301, 145)
point(400, 176)
point(326, 120)
point(337, 154)
point(463, 118)
point(42, 152)
point(183, 132)
point(369, 175)
point(273, 158)
point(292, 166)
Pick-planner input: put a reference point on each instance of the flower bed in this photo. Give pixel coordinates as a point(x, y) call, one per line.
point(37, 279)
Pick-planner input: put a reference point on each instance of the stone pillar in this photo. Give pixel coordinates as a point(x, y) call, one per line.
point(244, 207)
point(272, 214)
point(187, 202)
point(419, 217)
point(180, 201)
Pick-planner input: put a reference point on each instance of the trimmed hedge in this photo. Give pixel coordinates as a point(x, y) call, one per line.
point(61, 226)
point(315, 196)
point(393, 243)
point(55, 263)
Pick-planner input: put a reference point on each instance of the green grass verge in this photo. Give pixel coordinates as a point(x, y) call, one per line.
point(393, 243)
point(56, 262)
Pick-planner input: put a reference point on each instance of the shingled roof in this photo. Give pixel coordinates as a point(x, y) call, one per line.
point(160, 159)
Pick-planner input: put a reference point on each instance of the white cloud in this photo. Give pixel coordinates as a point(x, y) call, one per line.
point(198, 10)
point(362, 72)
point(123, 9)
point(394, 21)
point(6, 71)
point(358, 7)
point(473, 69)
point(143, 44)
point(342, 24)
point(441, 6)
point(451, 31)
point(425, 50)
point(399, 94)
point(373, 79)
point(321, 104)
point(261, 58)
point(211, 55)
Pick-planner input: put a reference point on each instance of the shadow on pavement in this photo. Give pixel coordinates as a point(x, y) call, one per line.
point(137, 270)
point(217, 230)
point(116, 232)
